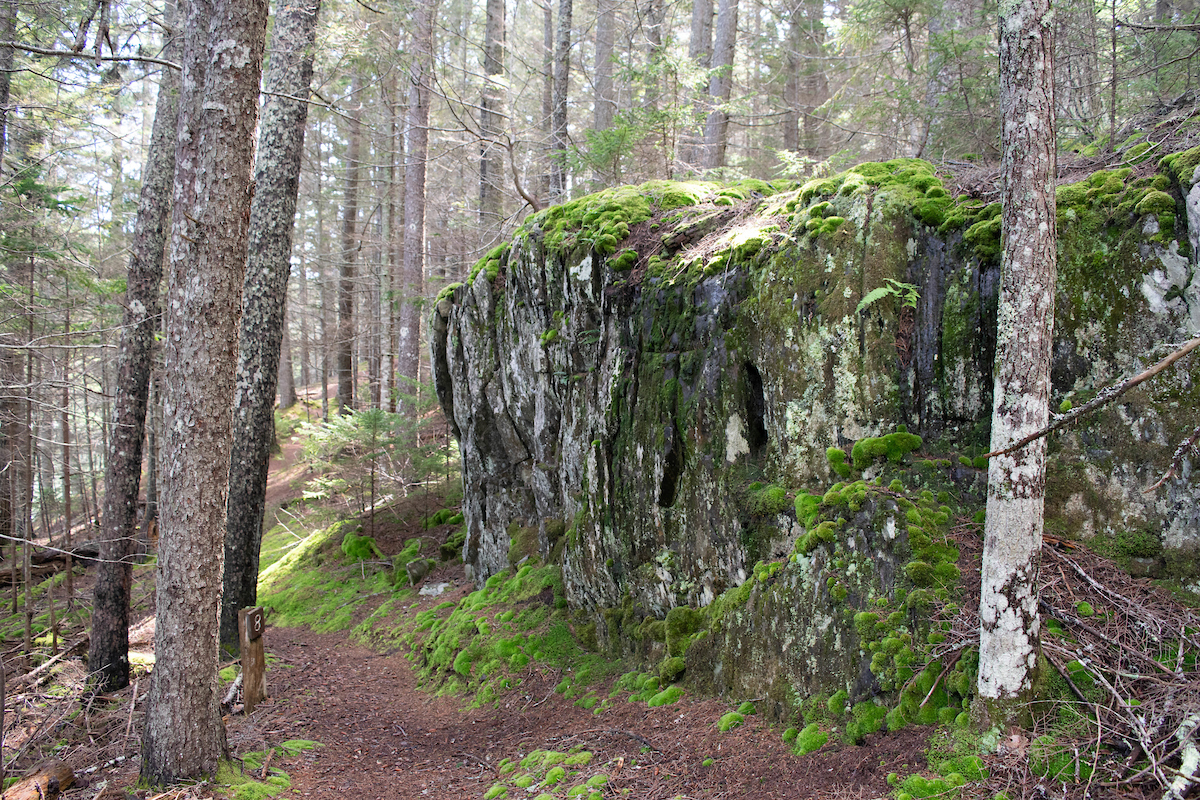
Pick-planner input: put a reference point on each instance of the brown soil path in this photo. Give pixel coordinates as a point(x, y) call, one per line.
point(383, 737)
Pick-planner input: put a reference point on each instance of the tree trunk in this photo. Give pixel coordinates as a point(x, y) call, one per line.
point(412, 278)
point(108, 652)
point(716, 128)
point(272, 220)
point(66, 462)
point(1008, 606)
point(8, 32)
point(562, 75)
point(395, 236)
point(605, 108)
point(287, 378)
point(345, 307)
point(491, 118)
point(700, 54)
point(547, 6)
point(222, 64)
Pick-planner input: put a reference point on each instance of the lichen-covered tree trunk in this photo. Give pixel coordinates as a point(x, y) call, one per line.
point(412, 277)
point(108, 651)
point(716, 127)
point(1008, 609)
point(272, 219)
point(222, 64)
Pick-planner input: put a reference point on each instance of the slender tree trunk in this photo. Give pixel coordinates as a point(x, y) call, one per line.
point(9, 436)
point(28, 471)
point(305, 326)
point(716, 128)
point(1008, 606)
point(562, 75)
point(547, 7)
point(222, 64)
point(346, 366)
point(413, 275)
point(655, 12)
point(108, 653)
point(395, 236)
point(263, 328)
point(287, 379)
point(66, 464)
point(492, 118)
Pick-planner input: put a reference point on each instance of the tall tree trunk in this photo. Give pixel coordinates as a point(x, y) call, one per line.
point(9, 431)
point(66, 462)
point(562, 76)
point(8, 32)
point(1008, 606)
point(716, 128)
point(413, 274)
point(700, 53)
point(346, 366)
point(547, 7)
point(395, 235)
point(492, 117)
point(814, 83)
point(302, 317)
point(605, 108)
point(287, 378)
point(222, 64)
point(272, 220)
point(108, 650)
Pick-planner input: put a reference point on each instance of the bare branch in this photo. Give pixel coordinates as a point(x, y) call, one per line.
point(1104, 398)
point(45, 51)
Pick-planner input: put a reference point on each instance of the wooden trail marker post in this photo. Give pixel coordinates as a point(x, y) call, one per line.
point(254, 664)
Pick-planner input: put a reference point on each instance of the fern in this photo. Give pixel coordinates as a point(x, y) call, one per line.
point(906, 293)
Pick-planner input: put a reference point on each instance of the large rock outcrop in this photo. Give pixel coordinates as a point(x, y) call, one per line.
point(656, 384)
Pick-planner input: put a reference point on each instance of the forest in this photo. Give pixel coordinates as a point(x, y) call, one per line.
point(216, 219)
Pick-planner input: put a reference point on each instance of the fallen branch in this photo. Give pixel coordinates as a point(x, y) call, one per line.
point(1105, 397)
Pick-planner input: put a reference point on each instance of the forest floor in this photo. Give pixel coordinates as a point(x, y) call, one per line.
point(380, 733)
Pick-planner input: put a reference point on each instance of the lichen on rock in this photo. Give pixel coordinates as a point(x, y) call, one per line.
point(713, 407)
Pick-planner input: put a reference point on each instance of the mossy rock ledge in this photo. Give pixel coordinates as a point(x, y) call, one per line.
point(684, 417)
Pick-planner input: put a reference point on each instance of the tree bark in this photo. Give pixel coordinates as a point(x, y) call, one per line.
point(108, 654)
point(700, 54)
point(287, 378)
point(272, 220)
point(562, 75)
point(222, 64)
point(412, 278)
point(605, 108)
point(345, 305)
point(8, 32)
point(1008, 608)
point(492, 116)
point(716, 127)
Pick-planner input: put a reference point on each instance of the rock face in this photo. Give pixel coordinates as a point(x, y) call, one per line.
point(646, 383)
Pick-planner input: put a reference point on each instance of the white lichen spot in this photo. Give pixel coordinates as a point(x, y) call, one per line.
point(735, 439)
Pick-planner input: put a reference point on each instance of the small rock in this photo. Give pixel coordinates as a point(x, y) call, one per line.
point(433, 589)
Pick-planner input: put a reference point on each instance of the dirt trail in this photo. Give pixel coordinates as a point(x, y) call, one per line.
point(385, 738)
